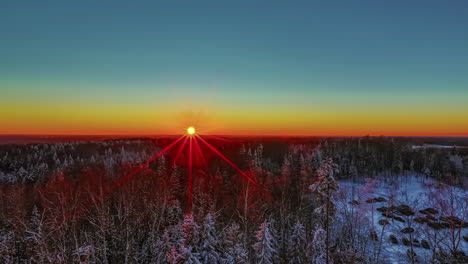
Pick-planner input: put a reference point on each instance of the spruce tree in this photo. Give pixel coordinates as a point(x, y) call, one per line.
point(297, 243)
point(235, 250)
point(209, 252)
point(264, 247)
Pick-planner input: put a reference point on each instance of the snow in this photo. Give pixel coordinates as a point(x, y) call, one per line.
point(436, 146)
point(413, 190)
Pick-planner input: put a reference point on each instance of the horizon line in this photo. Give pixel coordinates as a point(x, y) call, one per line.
point(231, 135)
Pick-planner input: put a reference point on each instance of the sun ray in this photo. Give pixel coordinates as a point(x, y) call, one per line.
point(189, 183)
point(135, 171)
point(122, 180)
point(197, 146)
point(233, 165)
point(180, 149)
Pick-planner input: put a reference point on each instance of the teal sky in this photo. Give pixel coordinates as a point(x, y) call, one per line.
point(277, 54)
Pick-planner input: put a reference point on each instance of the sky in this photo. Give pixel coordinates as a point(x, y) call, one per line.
point(336, 68)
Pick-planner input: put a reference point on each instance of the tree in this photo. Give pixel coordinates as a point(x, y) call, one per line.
point(258, 158)
point(209, 252)
point(297, 242)
point(36, 237)
point(325, 186)
point(182, 242)
point(7, 249)
point(182, 255)
point(235, 249)
point(452, 208)
point(191, 231)
point(265, 244)
point(317, 248)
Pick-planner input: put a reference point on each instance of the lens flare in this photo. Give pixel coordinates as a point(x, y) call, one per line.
point(191, 130)
point(192, 139)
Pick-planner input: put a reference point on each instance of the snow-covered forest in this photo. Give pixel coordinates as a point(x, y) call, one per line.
point(330, 200)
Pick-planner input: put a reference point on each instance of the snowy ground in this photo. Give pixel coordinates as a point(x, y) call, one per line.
point(436, 146)
point(419, 193)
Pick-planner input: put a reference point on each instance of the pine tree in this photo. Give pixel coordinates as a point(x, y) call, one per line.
point(93, 160)
point(317, 247)
point(325, 186)
point(191, 231)
point(174, 256)
point(190, 257)
point(297, 242)
point(235, 249)
point(182, 255)
point(182, 241)
point(258, 158)
point(209, 252)
point(265, 245)
point(7, 248)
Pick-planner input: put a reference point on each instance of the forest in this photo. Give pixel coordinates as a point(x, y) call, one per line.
point(318, 200)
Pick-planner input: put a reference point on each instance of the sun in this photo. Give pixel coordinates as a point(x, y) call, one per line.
point(191, 130)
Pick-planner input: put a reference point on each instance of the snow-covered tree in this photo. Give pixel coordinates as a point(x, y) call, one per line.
point(258, 158)
point(182, 255)
point(191, 231)
point(209, 252)
point(235, 252)
point(265, 246)
point(296, 245)
point(190, 257)
point(316, 251)
point(181, 242)
point(325, 186)
point(92, 160)
point(174, 256)
point(36, 237)
point(7, 248)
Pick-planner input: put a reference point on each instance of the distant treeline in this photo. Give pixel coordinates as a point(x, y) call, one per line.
point(370, 156)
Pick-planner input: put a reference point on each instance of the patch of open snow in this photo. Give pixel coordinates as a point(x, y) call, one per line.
point(413, 190)
point(436, 146)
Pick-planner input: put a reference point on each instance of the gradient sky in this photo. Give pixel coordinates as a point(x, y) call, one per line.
point(234, 67)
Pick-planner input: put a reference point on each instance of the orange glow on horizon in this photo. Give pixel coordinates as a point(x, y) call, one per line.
point(55, 119)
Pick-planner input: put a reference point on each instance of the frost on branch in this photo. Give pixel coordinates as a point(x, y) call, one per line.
point(264, 247)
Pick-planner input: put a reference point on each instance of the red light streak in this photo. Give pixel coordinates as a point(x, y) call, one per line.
point(189, 183)
point(141, 167)
point(180, 149)
point(200, 152)
point(232, 164)
point(192, 141)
